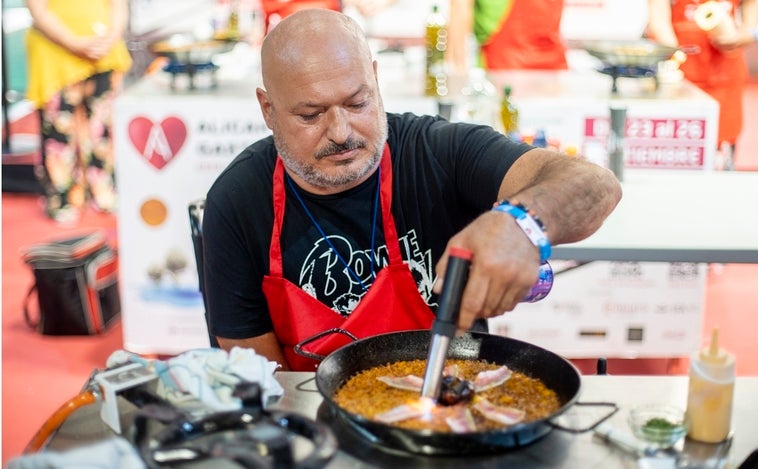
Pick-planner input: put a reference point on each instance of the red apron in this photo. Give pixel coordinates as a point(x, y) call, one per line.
point(530, 37)
point(392, 303)
point(720, 74)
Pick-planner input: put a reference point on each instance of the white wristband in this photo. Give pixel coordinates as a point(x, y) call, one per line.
point(530, 225)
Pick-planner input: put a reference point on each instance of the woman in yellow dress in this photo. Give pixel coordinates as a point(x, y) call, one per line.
point(77, 56)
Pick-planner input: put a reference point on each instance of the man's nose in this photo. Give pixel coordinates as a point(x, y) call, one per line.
point(339, 128)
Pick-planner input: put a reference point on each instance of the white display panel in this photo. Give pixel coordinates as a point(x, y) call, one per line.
point(614, 310)
point(170, 147)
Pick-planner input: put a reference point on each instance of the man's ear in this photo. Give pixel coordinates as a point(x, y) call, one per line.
point(265, 103)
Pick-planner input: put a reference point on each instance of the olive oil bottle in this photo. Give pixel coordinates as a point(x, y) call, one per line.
point(436, 44)
point(233, 26)
point(509, 113)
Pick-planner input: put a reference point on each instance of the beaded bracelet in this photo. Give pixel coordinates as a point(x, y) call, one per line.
point(529, 223)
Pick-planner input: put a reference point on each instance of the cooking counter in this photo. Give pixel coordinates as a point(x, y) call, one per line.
point(558, 449)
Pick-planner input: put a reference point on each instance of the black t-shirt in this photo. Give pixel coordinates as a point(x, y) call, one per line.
point(444, 176)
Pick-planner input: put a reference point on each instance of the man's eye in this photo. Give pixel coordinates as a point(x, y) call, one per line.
point(360, 105)
point(310, 117)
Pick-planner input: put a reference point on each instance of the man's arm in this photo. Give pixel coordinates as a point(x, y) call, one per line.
point(570, 195)
point(265, 345)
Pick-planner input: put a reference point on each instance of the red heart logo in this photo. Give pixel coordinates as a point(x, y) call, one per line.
point(158, 144)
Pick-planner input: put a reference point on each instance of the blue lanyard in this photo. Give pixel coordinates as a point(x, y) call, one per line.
point(326, 238)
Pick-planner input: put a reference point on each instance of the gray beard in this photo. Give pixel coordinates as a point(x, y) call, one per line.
point(312, 176)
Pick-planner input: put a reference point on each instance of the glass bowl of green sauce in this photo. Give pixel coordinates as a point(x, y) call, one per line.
point(660, 425)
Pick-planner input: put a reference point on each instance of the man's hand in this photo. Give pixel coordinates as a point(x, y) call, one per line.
point(504, 267)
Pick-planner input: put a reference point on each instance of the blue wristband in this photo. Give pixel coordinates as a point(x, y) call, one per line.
point(530, 224)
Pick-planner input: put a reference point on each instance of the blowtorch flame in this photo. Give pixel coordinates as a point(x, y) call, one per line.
point(422, 408)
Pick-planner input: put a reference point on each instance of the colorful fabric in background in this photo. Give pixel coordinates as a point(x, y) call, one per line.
point(74, 95)
point(77, 149)
point(520, 34)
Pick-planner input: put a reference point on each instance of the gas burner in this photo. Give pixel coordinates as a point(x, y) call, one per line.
point(251, 437)
point(628, 71)
point(189, 69)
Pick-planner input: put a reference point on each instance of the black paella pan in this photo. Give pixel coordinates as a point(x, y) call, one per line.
point(555, 372)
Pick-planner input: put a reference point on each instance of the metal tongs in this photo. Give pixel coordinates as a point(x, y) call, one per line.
point(444, 326)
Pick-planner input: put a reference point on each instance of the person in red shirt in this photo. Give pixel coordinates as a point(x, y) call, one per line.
point(511, 34)
point(715, 63)
point(276, 10)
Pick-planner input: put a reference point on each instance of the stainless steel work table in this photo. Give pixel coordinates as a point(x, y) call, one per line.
point(558, 448)
point(677, 216)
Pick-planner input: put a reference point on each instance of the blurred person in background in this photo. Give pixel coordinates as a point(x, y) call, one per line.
point(510, 34)
point(715, 63)
point(396, 23)
point(368, 7)
point(276, 10)
point(76, 57)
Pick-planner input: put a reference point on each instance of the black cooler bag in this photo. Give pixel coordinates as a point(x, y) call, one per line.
point(76, 280)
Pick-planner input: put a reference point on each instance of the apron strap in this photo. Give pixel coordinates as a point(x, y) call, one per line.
point(385, 195)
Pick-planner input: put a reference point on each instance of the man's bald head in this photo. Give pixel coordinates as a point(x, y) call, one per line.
point(321, 100)
point(310, 38)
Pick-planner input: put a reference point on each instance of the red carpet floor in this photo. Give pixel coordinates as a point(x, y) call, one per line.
point(41, 373)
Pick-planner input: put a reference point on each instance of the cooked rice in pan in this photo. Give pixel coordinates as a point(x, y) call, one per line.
point(365, 395)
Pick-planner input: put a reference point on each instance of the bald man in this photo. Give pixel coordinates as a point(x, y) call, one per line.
point(344, 217)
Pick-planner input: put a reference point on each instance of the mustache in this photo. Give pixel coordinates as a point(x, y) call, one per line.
point(332, 148)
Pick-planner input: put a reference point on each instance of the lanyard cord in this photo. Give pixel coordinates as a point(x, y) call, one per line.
point(326, 238)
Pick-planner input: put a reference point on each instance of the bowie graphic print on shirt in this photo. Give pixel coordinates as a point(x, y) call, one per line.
point(325, 277)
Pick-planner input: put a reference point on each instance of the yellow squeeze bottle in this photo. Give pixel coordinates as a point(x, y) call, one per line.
point(711, 388)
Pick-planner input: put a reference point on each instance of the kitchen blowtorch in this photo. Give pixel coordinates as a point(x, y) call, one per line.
point(444, 326)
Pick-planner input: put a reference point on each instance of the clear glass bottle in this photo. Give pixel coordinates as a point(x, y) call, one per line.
point(436, 44)
point(478, 99)
point(509, 113)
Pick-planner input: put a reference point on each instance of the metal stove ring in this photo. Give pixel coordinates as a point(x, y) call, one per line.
point(250, 437)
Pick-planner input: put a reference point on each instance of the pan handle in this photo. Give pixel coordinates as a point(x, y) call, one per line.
point(592, 425)
point(317, 356)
